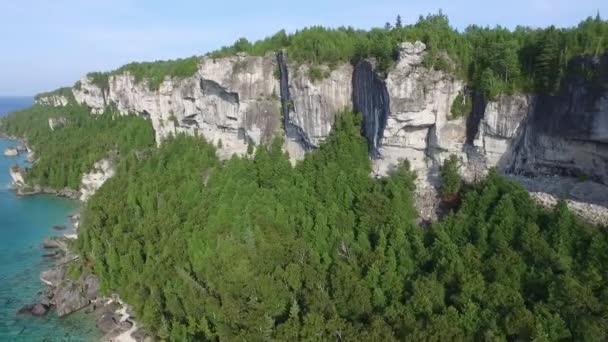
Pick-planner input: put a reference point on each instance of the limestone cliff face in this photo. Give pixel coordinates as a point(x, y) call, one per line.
point(243, 100)
point(310, 106)
point(406, 116)
point(232, 102)
point(53, 100)
point(92, 181)
point(565, 134)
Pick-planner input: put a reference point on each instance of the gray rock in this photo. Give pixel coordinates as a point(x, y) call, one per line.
point(59, 227)
point(108, 322)
point(126, 325)
point(45, 299)
point(91, 286)
point(50, 243)
point(25, 309)
point(69, 298)
point(56, 123)
point(39, 310)
point(53, 276)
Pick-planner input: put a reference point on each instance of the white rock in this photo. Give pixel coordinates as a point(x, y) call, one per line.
point(92, 181)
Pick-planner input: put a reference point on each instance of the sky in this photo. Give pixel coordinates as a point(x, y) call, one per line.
point(49, 44)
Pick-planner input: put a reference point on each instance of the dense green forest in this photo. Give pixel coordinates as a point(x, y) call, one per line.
point(492, 60)
point(255, 249)
point(64, 154)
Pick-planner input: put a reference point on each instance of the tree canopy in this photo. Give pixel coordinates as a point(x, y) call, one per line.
point(255, 249)
point(63, 155)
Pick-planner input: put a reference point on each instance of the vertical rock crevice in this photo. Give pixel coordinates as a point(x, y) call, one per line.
point(286, 102)
point(371, 99)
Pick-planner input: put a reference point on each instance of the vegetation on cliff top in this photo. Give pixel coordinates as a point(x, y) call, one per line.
point(492, 60)
point(65, 92)
point(152, 72)
point(255, 249)
point(65, 154)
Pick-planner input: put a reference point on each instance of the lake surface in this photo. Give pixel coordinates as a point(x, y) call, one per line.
point(24, 223)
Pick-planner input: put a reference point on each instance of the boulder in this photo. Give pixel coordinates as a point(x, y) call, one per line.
point(11, 152)
point(69, 298)
point(39, 310)
point(91, 286)
point(50, 243)
point(26, 309)
point(59, 227)
point(108, 322)
point(53, 277)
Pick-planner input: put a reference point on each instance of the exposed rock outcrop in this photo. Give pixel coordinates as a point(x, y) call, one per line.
point(11, 152)
point(53, 100)
point(312, 104)
point(92, 181)
point(17, 175)
point(56, 123)
point(233, 100)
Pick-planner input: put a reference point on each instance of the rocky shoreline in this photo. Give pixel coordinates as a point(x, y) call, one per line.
point(67, 293)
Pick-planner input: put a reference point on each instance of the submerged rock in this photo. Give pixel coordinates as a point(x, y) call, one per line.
point(39, 310)
point(11, 152)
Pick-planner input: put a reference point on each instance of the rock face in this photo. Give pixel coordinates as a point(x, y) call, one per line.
point(92, 181)
point(310, 106)
point(17, 175)
point(232, 102)
point(53, 100)
point(56, 123)
point(245, 100)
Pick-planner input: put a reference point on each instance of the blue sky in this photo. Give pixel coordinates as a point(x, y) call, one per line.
point(47, 44)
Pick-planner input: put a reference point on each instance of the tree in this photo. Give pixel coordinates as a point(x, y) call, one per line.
point(398, 23)
point(451, 183)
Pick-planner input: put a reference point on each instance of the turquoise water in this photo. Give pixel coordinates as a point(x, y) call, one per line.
point(24, 223)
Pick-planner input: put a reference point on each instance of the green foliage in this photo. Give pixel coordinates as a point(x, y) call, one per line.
point(152, 72)
point(255, 249)
point(65, 154)
point(74, 270)
point(315, 73)
point(451, 183)
point(100, 79)
point(492, 60)
point(462, 106)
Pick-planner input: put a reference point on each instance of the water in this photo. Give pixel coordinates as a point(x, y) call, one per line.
point(24, 223)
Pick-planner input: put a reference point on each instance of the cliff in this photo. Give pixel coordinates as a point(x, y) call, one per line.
point(246, 100)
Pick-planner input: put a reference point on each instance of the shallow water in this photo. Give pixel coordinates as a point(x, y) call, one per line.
point(24, 223)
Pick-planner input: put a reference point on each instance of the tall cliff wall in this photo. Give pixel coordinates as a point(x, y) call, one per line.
point(244, 100)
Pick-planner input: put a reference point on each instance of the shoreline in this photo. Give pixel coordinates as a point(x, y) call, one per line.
point(63, 294)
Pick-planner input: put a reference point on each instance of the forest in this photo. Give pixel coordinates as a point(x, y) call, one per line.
point(491, 60)
point(254, 249)
point(63, 155)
